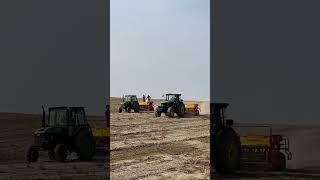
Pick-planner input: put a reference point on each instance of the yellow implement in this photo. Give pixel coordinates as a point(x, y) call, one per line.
point(255, 140)
point(191, 106)
point(144, 103)
point(101, 132)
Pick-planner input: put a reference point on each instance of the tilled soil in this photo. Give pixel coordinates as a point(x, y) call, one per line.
point(145, 147)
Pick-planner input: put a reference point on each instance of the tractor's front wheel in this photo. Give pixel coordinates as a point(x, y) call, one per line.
point(170, 112)
point(120, 109)
point(128, 109)
point(32, 154)
point(181, 110)
point(51, 154)
point(157, 113)
point(60, 152)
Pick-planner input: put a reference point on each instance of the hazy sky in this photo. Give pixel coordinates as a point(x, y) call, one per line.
point(160, 46)
point(53, 53)
point(266, 60)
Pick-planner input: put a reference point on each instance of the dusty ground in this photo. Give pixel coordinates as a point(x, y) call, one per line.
point(16, 134)
point(145, 147)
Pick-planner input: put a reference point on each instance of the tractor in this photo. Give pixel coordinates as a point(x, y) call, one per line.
point(129, 102)
point(225, 145)
point(173, 104)
point(64, 130)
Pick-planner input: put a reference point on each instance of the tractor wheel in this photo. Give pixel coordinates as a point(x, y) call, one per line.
point(128, 109)
point(137, 110)
point(170, 112)
point(85, 145)
point(227, 152)
point(60, 152)
point(282, 166)
point(32, 154)
point(157, 113)
point(120, 109)
point(51, 154)
point(181, 110)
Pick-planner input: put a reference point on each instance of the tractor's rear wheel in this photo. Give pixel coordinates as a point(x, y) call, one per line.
point(120, 109)
point(85, 145)
point(32, 154)
point(282, 162)
point(170, 112)
point(60, 152)
point(181, 110)
point(227, 152)
point(157, 113)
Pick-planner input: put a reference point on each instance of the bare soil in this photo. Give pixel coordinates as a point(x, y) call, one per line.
point(145, 147)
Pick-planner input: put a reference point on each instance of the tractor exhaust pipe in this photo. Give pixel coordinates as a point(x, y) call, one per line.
point(43, 122)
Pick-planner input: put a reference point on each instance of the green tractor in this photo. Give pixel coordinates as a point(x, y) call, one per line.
point(225, 143)
point(173, 104)
point(129, 103)
point(65, 130)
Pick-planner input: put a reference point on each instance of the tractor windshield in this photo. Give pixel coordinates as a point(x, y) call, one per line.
point(134, 98)
point(131, 98)
point(57, 117)
point(170, 97)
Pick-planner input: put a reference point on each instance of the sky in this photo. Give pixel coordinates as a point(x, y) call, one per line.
point(266, 60)
point(160, 46)
point(53, 53)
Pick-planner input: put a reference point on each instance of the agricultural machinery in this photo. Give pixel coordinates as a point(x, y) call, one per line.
point(65, 130)
point(146, 106)
point(192, 108)
point(264, 151)
point(232, 152)
point(129, 103)
point(225, 146)
point(172, 105)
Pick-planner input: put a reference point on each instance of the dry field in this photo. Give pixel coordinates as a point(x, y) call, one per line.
point(145, 147)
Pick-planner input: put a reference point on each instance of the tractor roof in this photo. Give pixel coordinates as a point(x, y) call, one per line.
point(220, 105)
point(67, 107)
point(173, 94)
point(129, 95)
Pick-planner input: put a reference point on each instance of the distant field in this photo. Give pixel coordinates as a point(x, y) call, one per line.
point(115, 102)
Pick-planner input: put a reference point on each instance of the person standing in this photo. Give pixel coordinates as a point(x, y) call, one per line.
point(144, 98)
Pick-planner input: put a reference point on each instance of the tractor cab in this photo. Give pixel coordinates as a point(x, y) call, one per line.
point(129, 103)
point(64, 129)
point(219, 115)
point(130, 98)
point(173, 104)
point(66, 116)
point(173, 97)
